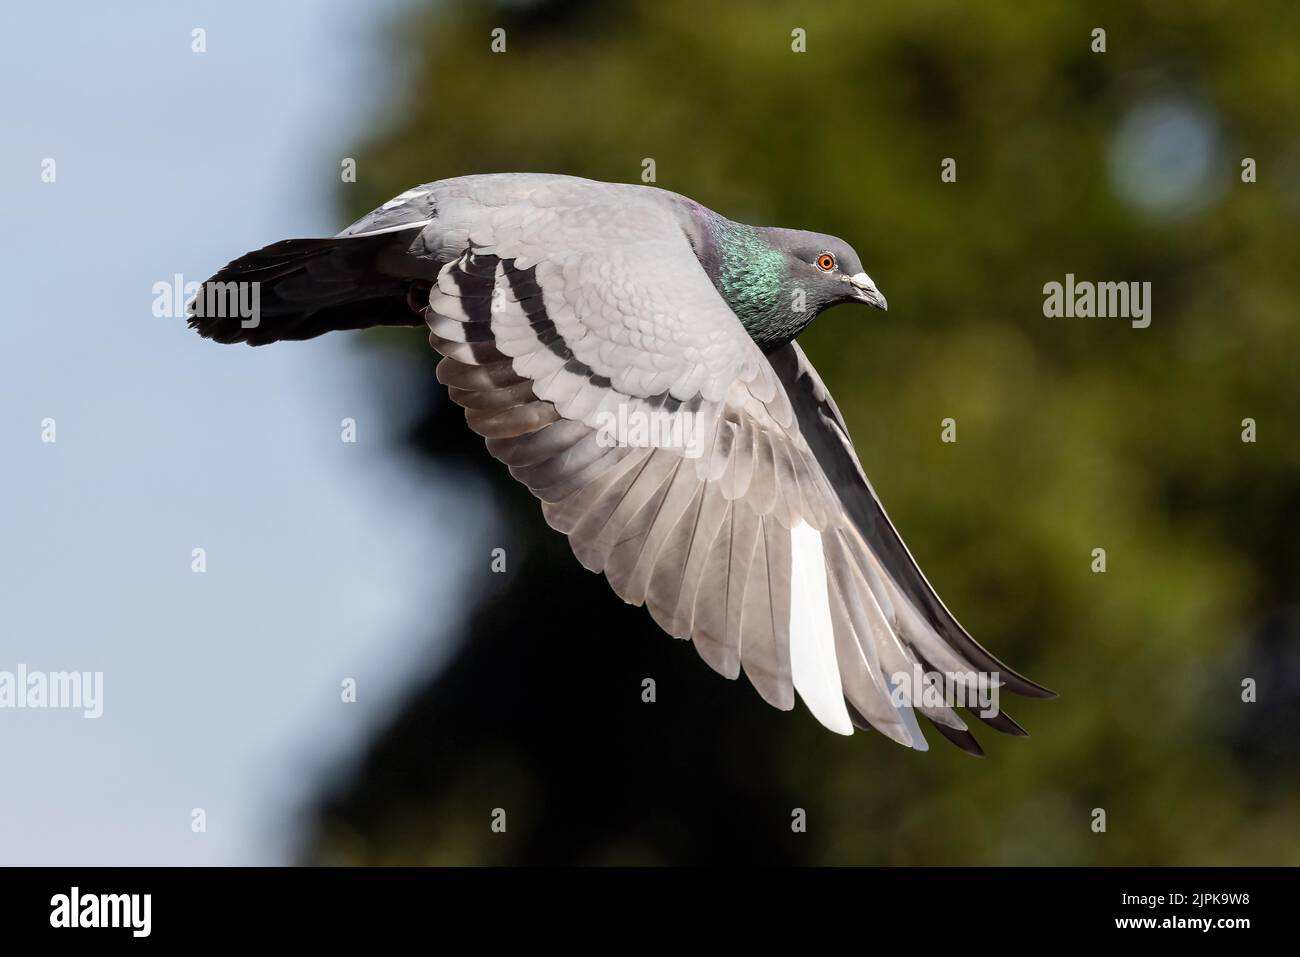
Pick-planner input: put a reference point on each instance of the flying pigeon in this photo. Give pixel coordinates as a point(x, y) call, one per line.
point(630, 355)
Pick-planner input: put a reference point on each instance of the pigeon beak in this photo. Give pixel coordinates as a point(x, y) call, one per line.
point(864, 290)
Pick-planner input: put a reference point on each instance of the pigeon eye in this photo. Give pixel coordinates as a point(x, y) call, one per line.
point(825, 262)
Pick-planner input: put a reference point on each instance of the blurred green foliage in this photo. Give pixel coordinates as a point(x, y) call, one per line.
point(1073, 434)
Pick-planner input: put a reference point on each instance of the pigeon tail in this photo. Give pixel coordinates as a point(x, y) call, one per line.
point(303, 288)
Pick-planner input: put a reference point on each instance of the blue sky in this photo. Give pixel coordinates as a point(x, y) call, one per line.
point(222, 689)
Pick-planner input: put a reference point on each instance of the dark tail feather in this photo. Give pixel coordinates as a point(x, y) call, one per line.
point(302, 288)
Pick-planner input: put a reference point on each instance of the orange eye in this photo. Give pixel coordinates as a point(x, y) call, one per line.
point(825, 262)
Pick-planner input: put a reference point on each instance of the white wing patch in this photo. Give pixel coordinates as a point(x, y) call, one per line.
point(392, 229)
point(413, 193)
point(813, 665)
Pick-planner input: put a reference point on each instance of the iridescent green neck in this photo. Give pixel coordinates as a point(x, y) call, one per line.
point(753, 279)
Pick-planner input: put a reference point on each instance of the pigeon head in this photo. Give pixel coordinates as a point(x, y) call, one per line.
point(827, 267)
point(777, 281)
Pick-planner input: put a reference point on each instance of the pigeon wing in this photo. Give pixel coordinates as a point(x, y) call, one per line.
point(589, 348)
point(911, 609)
